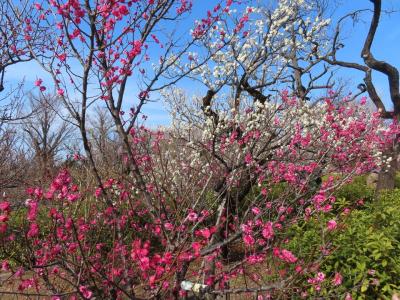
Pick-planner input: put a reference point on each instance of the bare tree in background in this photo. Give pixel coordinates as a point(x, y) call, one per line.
point(46, 133)
point(386, 179)
point(13, 161)
point(104, 140)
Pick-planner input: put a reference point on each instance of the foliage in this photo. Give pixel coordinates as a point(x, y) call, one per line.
point(356, 189)
point(141, 238)
point(220, 193)
point(364, 249)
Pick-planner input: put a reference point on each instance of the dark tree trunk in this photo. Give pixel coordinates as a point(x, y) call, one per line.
point(387, 177)
point(386, 181)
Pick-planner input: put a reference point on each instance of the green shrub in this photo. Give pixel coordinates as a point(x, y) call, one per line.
point(366, 248)
point(397, 180)
point(356, 189)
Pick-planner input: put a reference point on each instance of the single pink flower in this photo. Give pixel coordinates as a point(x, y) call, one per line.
point(98, 192)
point(169, 226)
point(268, 231)
point(331, 224)
point(205, 233)
point(298, 269)
point(348, 297)
point(196, 248)
point(256, 210)
point(337, 280)
point(288, 256)
point(248, 158)
point(320, 277)
point(33, 230)
point(5, 266)
point(346, 211)
point(5, 206)
point(192, 217)
point(38, 82)
point(248, 240)
point(86, 293)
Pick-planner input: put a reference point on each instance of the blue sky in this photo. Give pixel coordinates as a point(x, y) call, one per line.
point(386, 47)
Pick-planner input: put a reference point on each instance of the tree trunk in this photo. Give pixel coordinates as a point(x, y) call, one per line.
point(386, 178)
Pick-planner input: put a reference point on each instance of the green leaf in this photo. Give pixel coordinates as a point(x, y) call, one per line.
point(364, 286)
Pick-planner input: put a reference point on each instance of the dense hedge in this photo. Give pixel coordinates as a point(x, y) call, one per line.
point(364, 249)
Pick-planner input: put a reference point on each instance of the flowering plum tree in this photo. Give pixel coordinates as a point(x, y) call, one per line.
point(16, 29)
point(253, 151)
point(386, 178)
point(259, 49)
point(209, 202)
point(211, 187)
point(94, 48)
